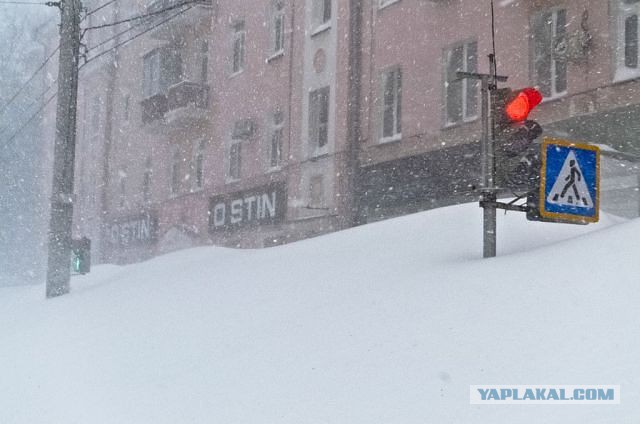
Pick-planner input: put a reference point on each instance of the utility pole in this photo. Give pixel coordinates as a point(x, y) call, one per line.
point(488, 83)
point(59, 263)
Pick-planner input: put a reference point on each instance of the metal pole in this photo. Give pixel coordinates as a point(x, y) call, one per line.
point(58, 268)
point(487, 169)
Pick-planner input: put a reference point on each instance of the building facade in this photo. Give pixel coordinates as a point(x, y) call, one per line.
point(250, 124)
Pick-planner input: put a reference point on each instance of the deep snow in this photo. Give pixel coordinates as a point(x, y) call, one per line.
point(386, 323)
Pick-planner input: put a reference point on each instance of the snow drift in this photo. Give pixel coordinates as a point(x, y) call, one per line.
point(386, 323)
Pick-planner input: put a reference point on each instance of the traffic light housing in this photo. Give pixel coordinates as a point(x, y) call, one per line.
point(81, 255)
point(517, 160)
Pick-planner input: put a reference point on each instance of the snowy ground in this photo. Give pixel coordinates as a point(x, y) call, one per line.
point(387, 323)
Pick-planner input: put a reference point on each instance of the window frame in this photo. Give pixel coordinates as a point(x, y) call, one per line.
point(317, 181)
point(466, 85)
point(321, 15)
point(554, 77)
point(277, 128)
point(277, 38)
point(147, 176)
point(233, 170)
point(127, 108)
point(203, 60)
point(174, 172)
point(157, 74)
point(239, 38)
point(316, 125)
point(396, 108)
point(197, 164)
point(122, 190)
point(624, 11)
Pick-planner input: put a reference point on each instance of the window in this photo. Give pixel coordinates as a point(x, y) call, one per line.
point(549, 71)
point(239, 35)
point(204, 61)
point(319, 117)
point(277, 30)
point(146, 181)
point(174, 178)
point(127, 101)
point(627, 50)
point(123, 189)
point(162, 68)
point(95, 114)
point(316, 191)
point(198, 165)
point(235, 153)
point(321, 14)
point(461, 95)
point(275, 145)
point(391, 111)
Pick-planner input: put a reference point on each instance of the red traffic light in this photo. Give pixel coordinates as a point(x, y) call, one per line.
point(519, 108)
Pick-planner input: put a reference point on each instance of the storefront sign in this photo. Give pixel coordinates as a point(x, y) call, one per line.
point(135, 230)
point(263, 205)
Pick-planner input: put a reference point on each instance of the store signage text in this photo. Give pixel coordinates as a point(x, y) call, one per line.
point(264, 205)
point(139, 229)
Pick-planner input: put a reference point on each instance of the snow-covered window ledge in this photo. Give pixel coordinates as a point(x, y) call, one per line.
point(386, 3)
point(321, 28)
point(554, 97)
point(391, 139)
point(276, 55)
point(623, 74)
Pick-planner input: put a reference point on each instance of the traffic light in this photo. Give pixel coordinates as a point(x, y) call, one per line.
point(81, 255)
point(516, 157)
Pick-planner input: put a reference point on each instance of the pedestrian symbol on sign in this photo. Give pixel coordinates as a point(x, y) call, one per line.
point(570, 188)
point(569, 181)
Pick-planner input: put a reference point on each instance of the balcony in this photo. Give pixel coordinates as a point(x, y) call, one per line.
point(197, 18)
point(154, 108)
point(187, 104)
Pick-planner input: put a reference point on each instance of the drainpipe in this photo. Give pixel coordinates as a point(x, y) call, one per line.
point(108, 142)
point(353, 113)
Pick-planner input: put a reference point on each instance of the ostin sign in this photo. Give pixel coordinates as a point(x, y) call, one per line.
point(262, 205)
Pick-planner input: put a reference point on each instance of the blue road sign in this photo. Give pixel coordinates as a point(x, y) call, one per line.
point(570, 181)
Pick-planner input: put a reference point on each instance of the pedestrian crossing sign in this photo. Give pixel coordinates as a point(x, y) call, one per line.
point(570, 181)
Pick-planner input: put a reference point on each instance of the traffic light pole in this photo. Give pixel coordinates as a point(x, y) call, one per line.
point(59, 261)
point(487, 155)
point(488, 83)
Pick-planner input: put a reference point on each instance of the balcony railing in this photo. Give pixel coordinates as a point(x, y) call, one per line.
point(185, 94)
point(154, 108)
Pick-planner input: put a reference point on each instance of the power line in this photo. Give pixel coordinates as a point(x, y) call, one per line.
point(35, 3)
point(36, 113)
point(36, 100)
point(99, 8)
point(146, 15)
point(91, 59)
point(102, 43)
point(21, 89)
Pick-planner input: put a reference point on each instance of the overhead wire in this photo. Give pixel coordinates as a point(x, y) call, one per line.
point(91, 59)
point(30, 105)
point(103, 42)
point(34, 3)
point(35, 114)
point(145, 15)
point(26, 83)
point(46, 103)
point(102, 6)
